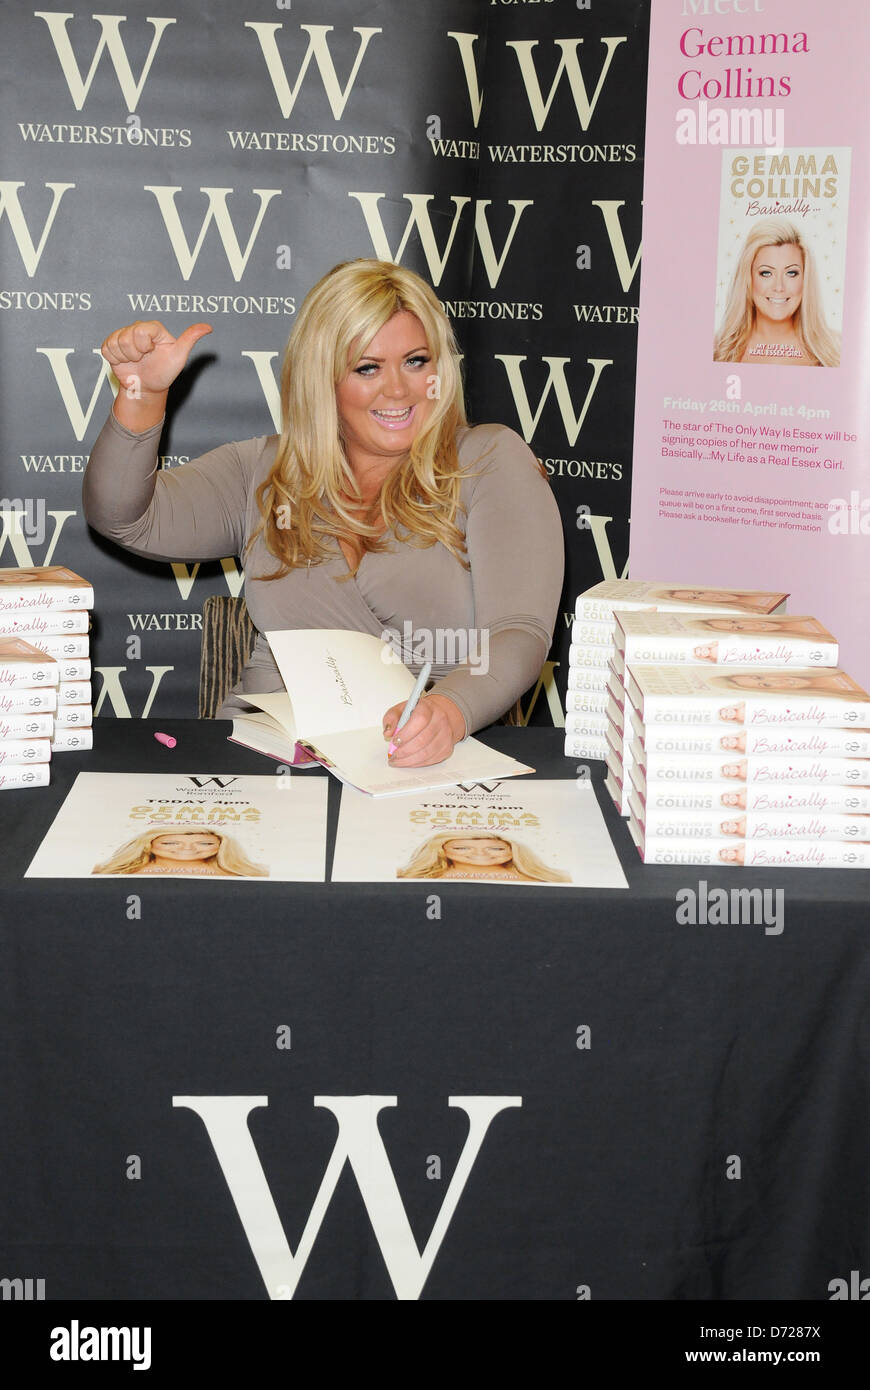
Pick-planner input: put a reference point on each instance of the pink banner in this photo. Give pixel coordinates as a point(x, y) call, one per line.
point(752, 424)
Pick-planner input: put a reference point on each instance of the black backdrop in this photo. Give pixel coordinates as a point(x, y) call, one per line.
point(212, 162)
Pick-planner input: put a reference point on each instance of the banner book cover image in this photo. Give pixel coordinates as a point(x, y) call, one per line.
point(548, 833)
point(781, 263)
point(215, 827)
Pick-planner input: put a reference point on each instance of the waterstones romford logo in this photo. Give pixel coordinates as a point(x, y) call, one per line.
point(357, 1143)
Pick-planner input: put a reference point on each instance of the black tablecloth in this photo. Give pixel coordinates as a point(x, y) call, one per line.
point(706, 1138)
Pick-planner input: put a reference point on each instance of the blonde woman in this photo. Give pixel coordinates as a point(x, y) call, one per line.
point(199, 852)
point(774, 310)
point(376, 505)
point(477, 854)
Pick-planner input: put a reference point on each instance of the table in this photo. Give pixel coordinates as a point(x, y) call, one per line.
point(707, 1138)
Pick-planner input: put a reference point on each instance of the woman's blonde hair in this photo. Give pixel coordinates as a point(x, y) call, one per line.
point(809, 317)
point(137, 853)
point(303, 501)
point(431, 860)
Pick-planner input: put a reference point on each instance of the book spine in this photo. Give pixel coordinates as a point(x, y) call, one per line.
point(67, 740)
point(717, 824)
point(827, 743)
point(45, 623)
point(582, 724)
point(52, 598)
point(74, 717)
point(584, 747)
point(580, 655)
point(735, 710)
point(64, 646)
point(643, 649)
point(586, 701)
point(24, 675)
point(14, 778)
point(74, 693)
point(587, 678)
point(26, 726)
point(16, 751)
point(592, 634)
point(739, 854)
point(28, 701)
point(76, 669)
point(755, 772)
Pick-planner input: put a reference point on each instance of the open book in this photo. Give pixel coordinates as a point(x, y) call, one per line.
point(339, 685)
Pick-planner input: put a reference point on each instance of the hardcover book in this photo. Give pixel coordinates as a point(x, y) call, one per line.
point(46, 587)
point(339, 686)
point(674, 638)
point(615, 595)
point(745, 698)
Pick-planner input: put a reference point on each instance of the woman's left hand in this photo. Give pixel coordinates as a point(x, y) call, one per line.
point(429, 736)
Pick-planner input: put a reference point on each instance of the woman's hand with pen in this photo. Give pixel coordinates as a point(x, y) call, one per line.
point(429, 736)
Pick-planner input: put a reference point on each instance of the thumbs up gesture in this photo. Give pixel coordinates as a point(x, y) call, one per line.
point(146, 359)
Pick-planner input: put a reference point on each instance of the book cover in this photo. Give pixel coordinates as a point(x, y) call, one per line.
point(23, 666)
point(542, 833)
point(214, 827)
point(820, 698)
point(595, 657)
point(577, 722)
point(46, 587)
point(782, 256)
point(593, 678)
point(674, 638)
point(613, 595)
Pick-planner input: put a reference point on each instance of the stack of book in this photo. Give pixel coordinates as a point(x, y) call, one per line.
point(704, 640)
point(28, 699)
point(766, 767)
point(48, 608)
point(591, 649)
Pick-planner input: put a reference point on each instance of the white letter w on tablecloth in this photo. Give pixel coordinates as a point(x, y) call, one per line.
point(359, 1143)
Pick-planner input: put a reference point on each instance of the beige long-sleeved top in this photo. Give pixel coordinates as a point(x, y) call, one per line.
point(507, 601)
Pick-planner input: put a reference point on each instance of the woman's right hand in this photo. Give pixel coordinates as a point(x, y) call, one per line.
point(146, 359)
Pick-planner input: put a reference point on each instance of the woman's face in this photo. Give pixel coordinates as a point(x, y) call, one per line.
point(777, 281)
point(387, 393)
point(479, 852)
point(187, 847)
